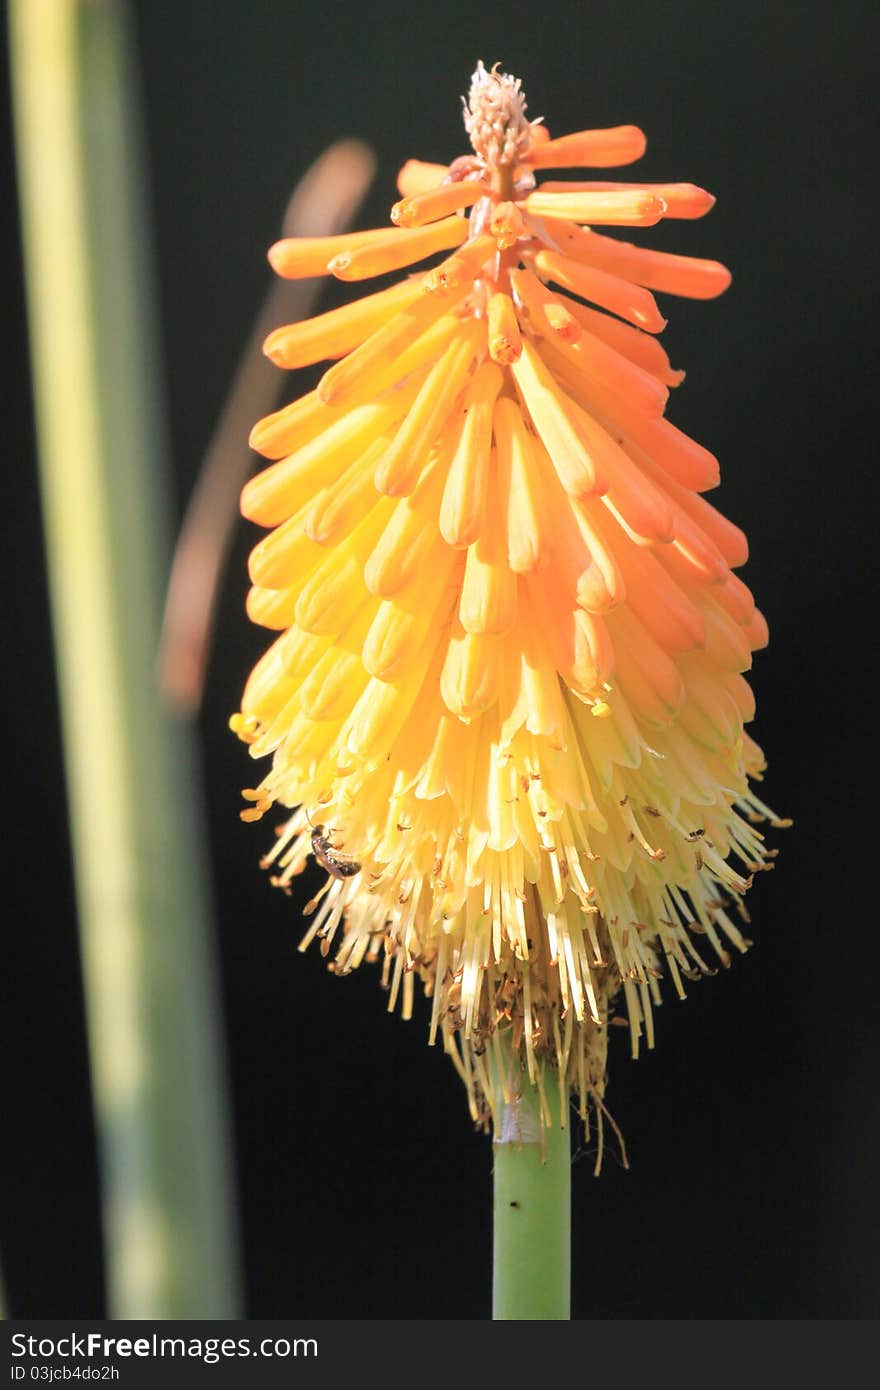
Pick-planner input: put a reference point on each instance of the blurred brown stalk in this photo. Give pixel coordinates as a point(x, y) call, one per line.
point(324, 202)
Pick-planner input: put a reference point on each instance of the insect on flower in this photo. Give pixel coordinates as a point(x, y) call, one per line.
point(511, 641)
point(329, 857)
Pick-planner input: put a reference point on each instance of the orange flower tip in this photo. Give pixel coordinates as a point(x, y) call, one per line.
point(250, 500)
point(435, 203)
point(687, 200)
point(445, 277)
point(464, 266)
point(327, 393)
point(274, 347)
point(276, 257)
point(505, 342)
point(257, 433)
point(650, 319)
point(417, 176)
point(503, 351)
point(340, 264)
point(563, 323)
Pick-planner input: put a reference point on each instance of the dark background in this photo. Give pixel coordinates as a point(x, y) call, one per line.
point(753, 1128)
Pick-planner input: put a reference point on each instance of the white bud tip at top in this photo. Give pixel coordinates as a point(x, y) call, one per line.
point(495, 117)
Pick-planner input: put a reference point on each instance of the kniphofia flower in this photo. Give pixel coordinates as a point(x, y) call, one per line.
point(506, 706)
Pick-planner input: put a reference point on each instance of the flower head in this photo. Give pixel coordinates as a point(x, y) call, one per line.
point(506, 705)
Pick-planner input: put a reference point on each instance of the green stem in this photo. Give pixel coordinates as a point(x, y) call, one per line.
point(132, 787)
point(532, 1245)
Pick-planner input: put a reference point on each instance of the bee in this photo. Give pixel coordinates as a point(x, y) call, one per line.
point(336, 864)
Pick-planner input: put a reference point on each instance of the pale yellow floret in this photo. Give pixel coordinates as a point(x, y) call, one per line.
point(552, 418)
point(464, 497)
point(401, 462)
point(519, 490)
point(489, 588)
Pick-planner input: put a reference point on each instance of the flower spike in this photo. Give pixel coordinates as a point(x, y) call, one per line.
point(505, 707)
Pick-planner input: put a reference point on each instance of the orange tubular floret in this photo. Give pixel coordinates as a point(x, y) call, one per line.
point(639, 347)
point(339, 331)
point(683, 200)
point(398, 470)
point(270, 607)
point(417, 177)
point(489, 587)
point(736, 599)
point(682, 458)
point(730, 539)
point(600, 587)
point(589, 149)
point(633, 208)
point(505, 341)
point(562, 321)
point(295, 258)
point(298, 423)
point(650, 680)
point(551, 413)
point(655, 598)
point(637, 504)
point(295, 424)
point(675, 452)
point(471, 675)
point(462, 268)
point(407, 541)
point(692, 558)
point(398, 247)
point(380, 350)
point(686, 276)
point(340, 505)
point(597, 362)
point(757, 631)
point(279, 490)
point(464, 496)
point(545, 311)
point(585, 352)
point(435, 203)
point(620, 297)
point(522, 511)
